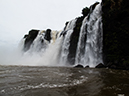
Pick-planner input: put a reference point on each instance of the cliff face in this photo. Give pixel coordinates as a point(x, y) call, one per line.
point(116, 33)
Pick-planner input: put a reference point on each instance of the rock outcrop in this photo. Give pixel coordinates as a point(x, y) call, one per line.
point(116, 33)
point(48, 35)
point(30, 38)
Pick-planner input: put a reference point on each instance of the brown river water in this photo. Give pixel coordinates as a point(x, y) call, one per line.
point(62, 81)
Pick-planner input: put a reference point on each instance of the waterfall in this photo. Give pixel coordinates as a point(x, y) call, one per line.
point(66, 43)
point(81, 44)
point(52, 54)
point(39, 44)
point(40, 53)
point(92, 27)
point(53, 48)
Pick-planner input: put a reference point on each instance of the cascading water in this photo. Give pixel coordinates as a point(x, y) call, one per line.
point(52, 54)
point(92, 26)
point(57, 50)
point(39, 44)
point(66, 43)
point(40, 53)
point(81, 44)
point(54, 50)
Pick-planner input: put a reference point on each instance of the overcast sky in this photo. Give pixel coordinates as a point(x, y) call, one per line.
point(17, 17)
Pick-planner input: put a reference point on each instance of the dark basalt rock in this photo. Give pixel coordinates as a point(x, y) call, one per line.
point(79, 66)
point(48, 35)
point(100, 66)
point(74, 40)
point(85, 11)
point(87, 66)
point(30, 38)
point(113, 67)
point(25, 36)
point(64, 30)
point(116, 33)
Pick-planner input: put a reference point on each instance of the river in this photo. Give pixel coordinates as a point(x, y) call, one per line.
point(62, 81)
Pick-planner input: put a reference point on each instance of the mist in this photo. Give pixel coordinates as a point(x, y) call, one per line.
point(15, 55)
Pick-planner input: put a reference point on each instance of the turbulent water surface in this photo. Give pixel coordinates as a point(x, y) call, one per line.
point(62, 81)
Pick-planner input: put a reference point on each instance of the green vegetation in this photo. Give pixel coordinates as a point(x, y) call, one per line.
point(85, 11)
